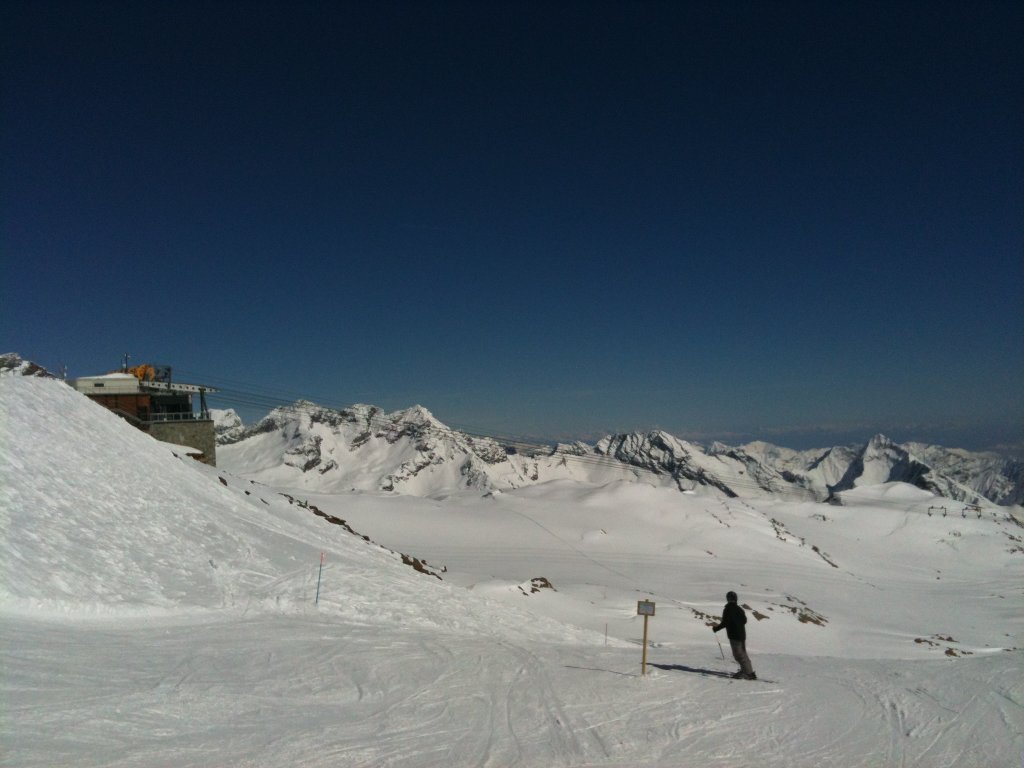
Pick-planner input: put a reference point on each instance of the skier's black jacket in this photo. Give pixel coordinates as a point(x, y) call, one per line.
point(733, 619)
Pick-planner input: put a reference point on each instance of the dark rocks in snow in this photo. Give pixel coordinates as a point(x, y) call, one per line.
point(12, 364)
point(306, 455)
point(418, 565)
point(536, 585)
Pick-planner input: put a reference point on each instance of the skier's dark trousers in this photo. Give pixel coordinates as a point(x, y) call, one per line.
point(734, 622)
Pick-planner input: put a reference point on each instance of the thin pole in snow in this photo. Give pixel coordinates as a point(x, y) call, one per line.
point(317, 601)
point(643, 661)
point(644, 608)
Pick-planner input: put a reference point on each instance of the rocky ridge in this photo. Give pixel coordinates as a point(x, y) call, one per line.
point(412, 452)
point(12, 364)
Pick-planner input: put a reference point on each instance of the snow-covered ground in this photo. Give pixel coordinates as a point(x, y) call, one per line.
point(157, 612)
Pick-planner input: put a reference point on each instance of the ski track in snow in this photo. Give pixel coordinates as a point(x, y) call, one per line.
point(288, 690)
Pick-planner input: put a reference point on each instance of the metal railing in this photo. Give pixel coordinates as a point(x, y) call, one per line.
point(181, 416)
point(140, 420)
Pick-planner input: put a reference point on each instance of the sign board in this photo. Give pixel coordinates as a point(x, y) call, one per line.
point(644, 608)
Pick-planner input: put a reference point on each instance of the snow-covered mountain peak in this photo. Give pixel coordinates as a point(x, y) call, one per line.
point(656, 448)
point(411, 451)
point(227, 424)
point(417, 414)
point(577, 448)
point(365, 448)
point(879, 458)
point(879, 443)
point(775, 453)
point(998, 478)
point(12, 364)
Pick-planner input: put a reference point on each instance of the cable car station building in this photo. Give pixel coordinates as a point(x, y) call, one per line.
point(146, 397)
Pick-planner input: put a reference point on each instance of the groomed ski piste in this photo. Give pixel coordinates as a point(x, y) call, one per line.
point(158, 612)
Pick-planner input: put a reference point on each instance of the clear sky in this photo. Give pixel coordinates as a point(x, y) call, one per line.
point(794, 221)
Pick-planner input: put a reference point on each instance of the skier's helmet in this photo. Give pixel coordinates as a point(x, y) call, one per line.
point(731, 597)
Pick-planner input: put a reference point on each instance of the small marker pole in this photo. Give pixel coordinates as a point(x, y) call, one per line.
point(643, 662)
point(321, 573)
point(644, 608)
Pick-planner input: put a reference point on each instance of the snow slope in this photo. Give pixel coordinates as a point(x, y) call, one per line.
point(157, 612)
point(101, 519)
point(810, 571)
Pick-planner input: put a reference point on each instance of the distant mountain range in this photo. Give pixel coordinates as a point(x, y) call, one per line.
point(364, 448)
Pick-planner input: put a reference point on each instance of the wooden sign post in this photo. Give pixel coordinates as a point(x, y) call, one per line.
point(644, 608)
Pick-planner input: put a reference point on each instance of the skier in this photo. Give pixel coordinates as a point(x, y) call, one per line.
point(733, 620)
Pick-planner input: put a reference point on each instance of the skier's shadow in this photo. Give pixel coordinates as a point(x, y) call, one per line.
point(692, 670)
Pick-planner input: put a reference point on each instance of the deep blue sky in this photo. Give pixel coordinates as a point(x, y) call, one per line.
point(801, 222)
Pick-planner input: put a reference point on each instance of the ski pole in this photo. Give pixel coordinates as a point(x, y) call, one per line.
point(321, 573)
point(720, 647)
